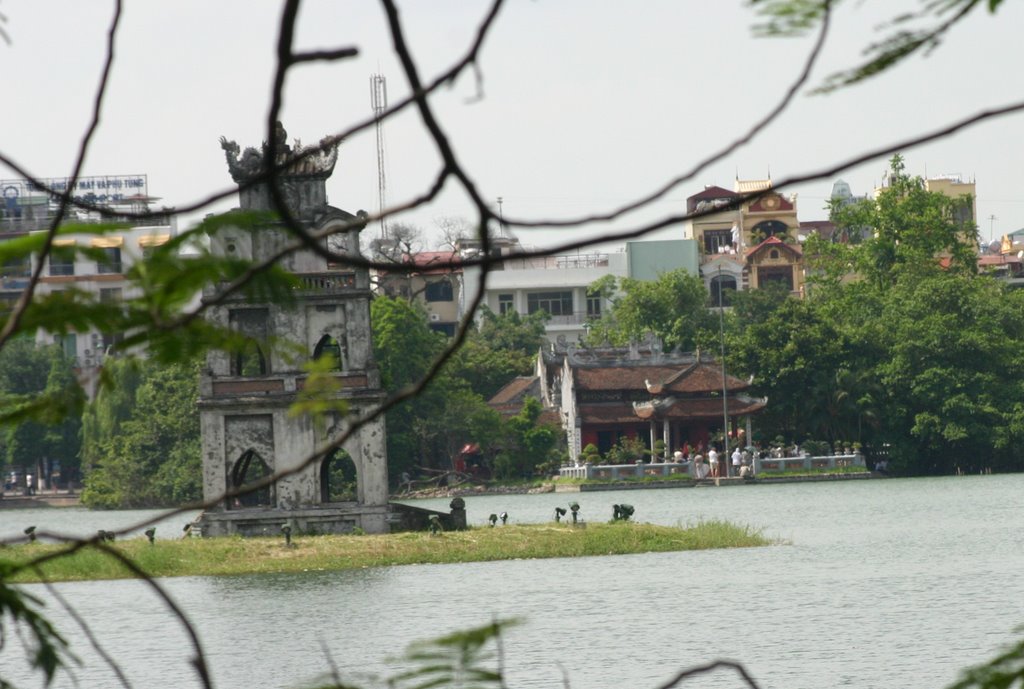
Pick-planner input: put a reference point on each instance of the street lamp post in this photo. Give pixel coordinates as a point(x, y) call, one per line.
point(725, 400)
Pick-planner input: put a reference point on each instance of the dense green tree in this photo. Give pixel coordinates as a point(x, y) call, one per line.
point(429, 430)
point(528, 446)
point(793, 354)
point(912, 230)
point(23, 367)
point(404, 347)
point(114, 404)
point(503, 347)
point(953, 373)
point(42, 400)
point(152, 457)
point(673, 307)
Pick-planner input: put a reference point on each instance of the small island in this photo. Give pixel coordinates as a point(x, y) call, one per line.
point(303, 553)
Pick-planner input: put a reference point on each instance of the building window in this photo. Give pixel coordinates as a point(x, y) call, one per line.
point(769, 228)
point(768, 276)
point(329, 348)
point(447, 328)
point(248, 469)
point(110, 295)
point(111, 262)
point(439, 291)
point(714, 240)
point(62, 262)
point(68, 344)
point(774, 253)
point(17, 268)
point(110, 340)
point(722, 289)
point(505, 304)
point(594, 307)
point(249, 359)
point(554, 303)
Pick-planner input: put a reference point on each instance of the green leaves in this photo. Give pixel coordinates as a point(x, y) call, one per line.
point(461, 660)
point(142, 437)
point(673, 307)
point(909, 34)
point(47, 651)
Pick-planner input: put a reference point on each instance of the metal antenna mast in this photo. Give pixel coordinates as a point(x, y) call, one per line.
point(379, 103)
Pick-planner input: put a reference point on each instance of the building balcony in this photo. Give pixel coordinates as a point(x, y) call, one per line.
point(326, 282)
point(579, 319)
point(557, 262)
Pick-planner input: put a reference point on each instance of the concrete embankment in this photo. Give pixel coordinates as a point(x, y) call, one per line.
point(708, 482)
point(556, 487)
point(8, 501)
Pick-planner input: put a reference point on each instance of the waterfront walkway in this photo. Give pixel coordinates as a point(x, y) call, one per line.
point(56, 498)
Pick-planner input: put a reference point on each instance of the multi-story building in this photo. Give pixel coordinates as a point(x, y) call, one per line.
point(745, 243)
point(100, 272)
point(955, 187)
point(558, 284)
point(432, 278)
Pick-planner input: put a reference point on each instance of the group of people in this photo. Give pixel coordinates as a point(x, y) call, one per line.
point(741, 460)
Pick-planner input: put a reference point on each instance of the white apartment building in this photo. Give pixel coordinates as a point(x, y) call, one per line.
point(554, 284)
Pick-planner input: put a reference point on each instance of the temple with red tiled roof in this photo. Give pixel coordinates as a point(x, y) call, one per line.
point(602, 395)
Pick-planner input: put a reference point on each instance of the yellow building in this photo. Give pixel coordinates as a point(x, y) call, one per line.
point(745, 243)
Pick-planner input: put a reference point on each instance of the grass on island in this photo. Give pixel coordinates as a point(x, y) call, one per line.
point(235, 555)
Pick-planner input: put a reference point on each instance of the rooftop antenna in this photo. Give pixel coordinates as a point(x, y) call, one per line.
point(501, 217)
point(379, 103)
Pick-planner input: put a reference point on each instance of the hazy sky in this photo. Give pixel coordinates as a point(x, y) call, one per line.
point(586, 104)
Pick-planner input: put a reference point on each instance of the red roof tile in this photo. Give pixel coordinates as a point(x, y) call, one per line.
point(775, 243)
point(709, 193)
point(693, 378)
point(686, 409)
point(514, 391)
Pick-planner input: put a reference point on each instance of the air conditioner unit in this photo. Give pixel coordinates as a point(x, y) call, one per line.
point(434, 318)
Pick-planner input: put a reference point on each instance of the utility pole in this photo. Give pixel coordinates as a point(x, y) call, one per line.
point(379, 103)
point(725, 390)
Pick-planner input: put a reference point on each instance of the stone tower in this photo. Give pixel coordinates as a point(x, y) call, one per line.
point(245, 395)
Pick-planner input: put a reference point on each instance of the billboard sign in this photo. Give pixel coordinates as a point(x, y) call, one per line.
point(101, 191)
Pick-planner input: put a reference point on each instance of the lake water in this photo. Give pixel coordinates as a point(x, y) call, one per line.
point(888, 583)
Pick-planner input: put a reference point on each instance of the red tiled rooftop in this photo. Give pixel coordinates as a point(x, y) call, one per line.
point(513, 391)
point(697, 377)
point(703, 408)
point(436, 261)
point(709, 193)
point(774, 243)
